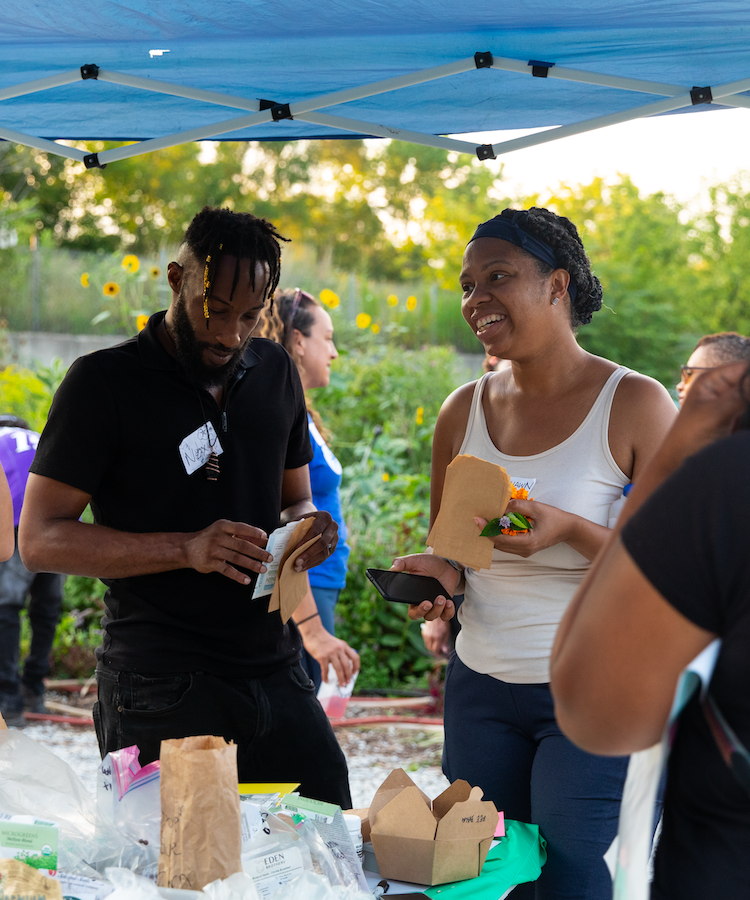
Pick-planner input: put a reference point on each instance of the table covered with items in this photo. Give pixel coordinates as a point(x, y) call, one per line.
point(181, 827)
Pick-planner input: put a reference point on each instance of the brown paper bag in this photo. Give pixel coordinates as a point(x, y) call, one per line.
point(299, 534)
point(473, 487)
point(22, 882)
point(200, 812)
point(293, 586)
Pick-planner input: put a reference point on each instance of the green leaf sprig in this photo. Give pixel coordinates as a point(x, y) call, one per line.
point(516, 520)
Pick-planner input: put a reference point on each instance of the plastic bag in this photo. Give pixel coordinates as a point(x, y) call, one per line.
point(328, 860)
point(236, 887)
point(129, 886)
point(33, 781)
point(333, 696)
point(275, 854)
point(314, 887)
point(128, 799)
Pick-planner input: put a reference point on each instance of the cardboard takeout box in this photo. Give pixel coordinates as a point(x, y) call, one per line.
point(430, 842)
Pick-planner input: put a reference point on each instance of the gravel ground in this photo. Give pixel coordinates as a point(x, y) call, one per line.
point(371, 751)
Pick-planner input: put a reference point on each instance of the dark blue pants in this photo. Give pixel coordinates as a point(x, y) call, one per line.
point(325, 600)
point(44, 593)
point(504, 738)
point(281, 731)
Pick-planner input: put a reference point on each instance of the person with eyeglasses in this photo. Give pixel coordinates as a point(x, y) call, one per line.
point(711, 351)
point(675, 575)
point(303, 327)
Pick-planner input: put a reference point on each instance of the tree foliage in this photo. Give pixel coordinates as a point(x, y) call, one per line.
point(388, 212)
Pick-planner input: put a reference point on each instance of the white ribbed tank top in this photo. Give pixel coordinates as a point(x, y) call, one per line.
point(511, 611)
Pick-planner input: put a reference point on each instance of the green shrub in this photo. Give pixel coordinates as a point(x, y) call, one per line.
point(26, 395)
point(381, 407)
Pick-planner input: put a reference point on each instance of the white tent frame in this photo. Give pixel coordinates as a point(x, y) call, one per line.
point(308, 110)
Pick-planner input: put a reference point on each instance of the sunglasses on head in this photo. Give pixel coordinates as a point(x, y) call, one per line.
point(299, 294)
point(687, 372)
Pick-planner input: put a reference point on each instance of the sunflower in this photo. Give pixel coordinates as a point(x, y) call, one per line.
point(419, 418)
point(140, 322)
point(375, 329)
point(363, 320)
point(391, 300)
point(154, 272)
point(328, 298)
point(111, 289)
point(85, 279)
point(131, 263)
point(411, 303)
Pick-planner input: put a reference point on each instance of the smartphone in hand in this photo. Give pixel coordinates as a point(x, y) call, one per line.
point(403, 587)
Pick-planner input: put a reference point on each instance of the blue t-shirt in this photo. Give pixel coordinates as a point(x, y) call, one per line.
point(325, 478)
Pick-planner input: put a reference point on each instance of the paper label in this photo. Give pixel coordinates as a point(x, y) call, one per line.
point(520, 483)
point(271, 871)
point(78, 887)
point(198, 446)
point(277, 544)
point(35, 845)
point(252, 822)
point(317, 810)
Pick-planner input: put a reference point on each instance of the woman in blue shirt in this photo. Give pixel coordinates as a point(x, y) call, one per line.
point(301, 325)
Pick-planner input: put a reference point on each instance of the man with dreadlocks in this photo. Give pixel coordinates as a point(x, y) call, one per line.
point(190, 443)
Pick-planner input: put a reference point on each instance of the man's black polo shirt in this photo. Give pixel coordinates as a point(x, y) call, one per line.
point(114, 431)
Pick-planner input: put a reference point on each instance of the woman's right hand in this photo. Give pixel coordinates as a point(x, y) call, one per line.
point(434, 567)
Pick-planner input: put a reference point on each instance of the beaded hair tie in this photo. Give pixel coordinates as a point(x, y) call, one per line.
point(207, 285)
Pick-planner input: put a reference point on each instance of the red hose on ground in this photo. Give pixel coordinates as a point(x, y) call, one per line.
point(59, 720)
point(385, 720)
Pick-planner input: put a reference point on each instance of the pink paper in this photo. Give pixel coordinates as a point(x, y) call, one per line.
point(500, 830)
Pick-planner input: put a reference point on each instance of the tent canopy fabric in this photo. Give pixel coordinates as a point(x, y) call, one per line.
point(168, 72)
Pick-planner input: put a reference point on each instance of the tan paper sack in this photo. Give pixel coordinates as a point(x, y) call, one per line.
point(200, 812)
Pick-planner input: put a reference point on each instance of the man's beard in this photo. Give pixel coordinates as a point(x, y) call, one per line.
point(190, 352)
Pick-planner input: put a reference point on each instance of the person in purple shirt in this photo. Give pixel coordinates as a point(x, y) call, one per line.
point(23, 692)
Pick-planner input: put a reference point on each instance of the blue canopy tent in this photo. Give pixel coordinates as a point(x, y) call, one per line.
point(162, 72)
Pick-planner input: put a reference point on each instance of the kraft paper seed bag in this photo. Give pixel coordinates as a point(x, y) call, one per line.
point(473, 487)
point(201, 832)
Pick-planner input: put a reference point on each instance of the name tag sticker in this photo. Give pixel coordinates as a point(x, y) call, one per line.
point(519, 483)
point(198, 446)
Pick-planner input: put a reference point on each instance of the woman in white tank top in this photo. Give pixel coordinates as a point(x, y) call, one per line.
point(577, 429)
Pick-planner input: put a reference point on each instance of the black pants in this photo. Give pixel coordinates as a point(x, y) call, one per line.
point(281, 731)
point(44, 593)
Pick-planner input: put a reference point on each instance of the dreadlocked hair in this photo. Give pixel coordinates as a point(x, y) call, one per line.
point(292, 310)
point(215, 232)
point(562, 236)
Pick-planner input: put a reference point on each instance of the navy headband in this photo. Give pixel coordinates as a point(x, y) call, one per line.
point(509, 230)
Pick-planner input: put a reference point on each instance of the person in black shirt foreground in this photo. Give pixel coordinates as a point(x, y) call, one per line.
point(674, 578)
point(190, 443)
